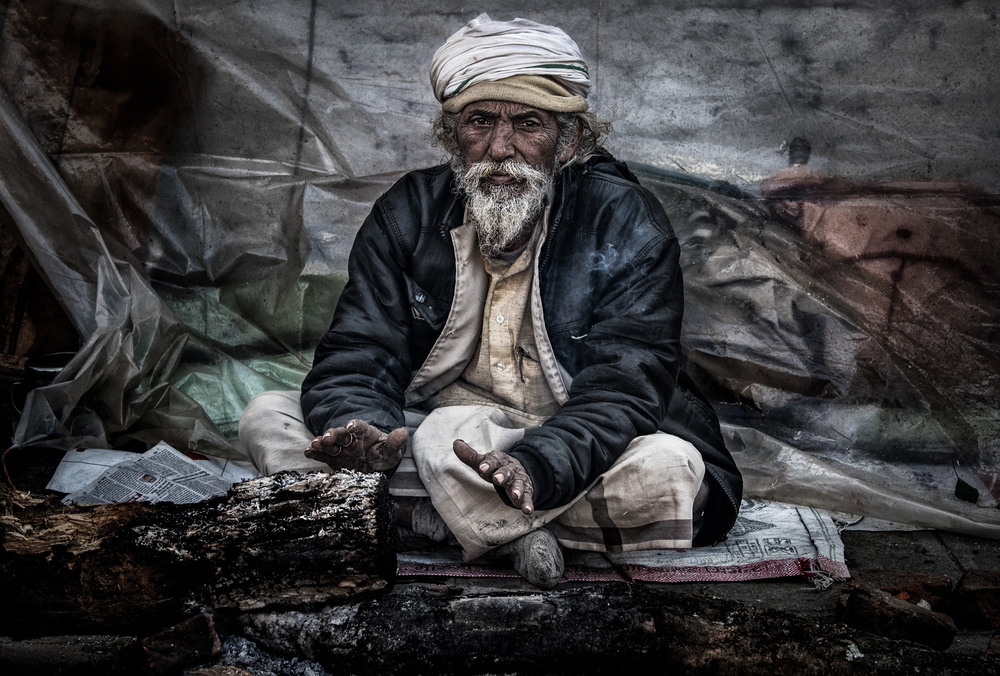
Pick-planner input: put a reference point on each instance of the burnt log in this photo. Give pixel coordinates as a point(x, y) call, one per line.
point(281, 541)
point(612, 628)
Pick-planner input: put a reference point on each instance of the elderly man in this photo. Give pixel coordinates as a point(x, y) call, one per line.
point(509, 337)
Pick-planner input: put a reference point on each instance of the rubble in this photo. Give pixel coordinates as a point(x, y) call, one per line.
point(912, 586)
point(993, 650)
point(191, 642)
point(882, 613)
point(976, 599)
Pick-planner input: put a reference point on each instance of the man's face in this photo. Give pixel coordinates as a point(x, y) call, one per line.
point(508, 157)
point(500, 130)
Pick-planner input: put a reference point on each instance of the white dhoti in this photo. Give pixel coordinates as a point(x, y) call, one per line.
point(649, 499)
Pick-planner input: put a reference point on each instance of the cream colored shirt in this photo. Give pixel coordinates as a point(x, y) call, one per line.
point(504, 370)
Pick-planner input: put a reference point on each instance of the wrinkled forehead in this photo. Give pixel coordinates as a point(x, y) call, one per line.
point(506, 110)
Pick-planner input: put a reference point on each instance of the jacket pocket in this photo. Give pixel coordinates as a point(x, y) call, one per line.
point(424, 307)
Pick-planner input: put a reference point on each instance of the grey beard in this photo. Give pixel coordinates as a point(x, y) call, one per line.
point(502, 214)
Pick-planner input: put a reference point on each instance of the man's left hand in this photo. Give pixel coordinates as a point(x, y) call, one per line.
point(502, 470)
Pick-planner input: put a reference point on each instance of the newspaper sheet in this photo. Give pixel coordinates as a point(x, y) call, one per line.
point(161, 474)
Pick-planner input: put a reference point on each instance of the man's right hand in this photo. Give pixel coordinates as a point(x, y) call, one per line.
point(359, 446)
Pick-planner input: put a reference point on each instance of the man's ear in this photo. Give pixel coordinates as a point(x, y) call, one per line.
point(571, 148)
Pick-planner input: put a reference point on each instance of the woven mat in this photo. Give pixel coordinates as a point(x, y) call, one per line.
point(769, 540)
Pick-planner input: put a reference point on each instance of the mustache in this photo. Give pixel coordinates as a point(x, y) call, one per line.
point(519, 171)
point(501, 212)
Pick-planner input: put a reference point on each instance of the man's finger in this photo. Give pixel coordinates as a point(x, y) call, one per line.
point(337, 436)
point(467, 454)
point(494, 462)
point(329, 455)
point(519, 491)
point(516, 490)
point(527, 506)
point(325, 444)
point(368, 434)
point(387, 454)
point(396, 440)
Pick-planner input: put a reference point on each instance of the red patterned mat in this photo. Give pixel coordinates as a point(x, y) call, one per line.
point(770, 540)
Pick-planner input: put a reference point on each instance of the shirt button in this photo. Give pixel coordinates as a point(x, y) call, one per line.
point(501, 367)
point(420, 297)
point(499, 319)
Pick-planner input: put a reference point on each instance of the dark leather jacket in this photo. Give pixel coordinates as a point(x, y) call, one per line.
point(610, 285)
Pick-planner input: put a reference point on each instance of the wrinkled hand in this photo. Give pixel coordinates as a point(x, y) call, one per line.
point(502, 470)
point(359, 446)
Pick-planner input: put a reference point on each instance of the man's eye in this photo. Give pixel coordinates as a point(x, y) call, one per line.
point(529, 124)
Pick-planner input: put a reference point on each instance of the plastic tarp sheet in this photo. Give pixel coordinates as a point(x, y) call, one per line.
point(188, 178)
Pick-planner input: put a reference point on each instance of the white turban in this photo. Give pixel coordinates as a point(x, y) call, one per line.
point(538, 65)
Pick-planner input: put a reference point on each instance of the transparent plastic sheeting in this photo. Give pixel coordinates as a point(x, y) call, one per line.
point(189, 179)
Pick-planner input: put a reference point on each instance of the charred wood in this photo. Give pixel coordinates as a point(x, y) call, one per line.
point(284, 540)
point(613, 628)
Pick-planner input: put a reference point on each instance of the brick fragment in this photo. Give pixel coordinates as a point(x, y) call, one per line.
point(221, 670)
point(910, 586)
point(881, 613)
point(975, 603)
point(993, 649)
point(192, 641)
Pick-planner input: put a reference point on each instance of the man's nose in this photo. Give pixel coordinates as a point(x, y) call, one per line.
point(502, 142)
